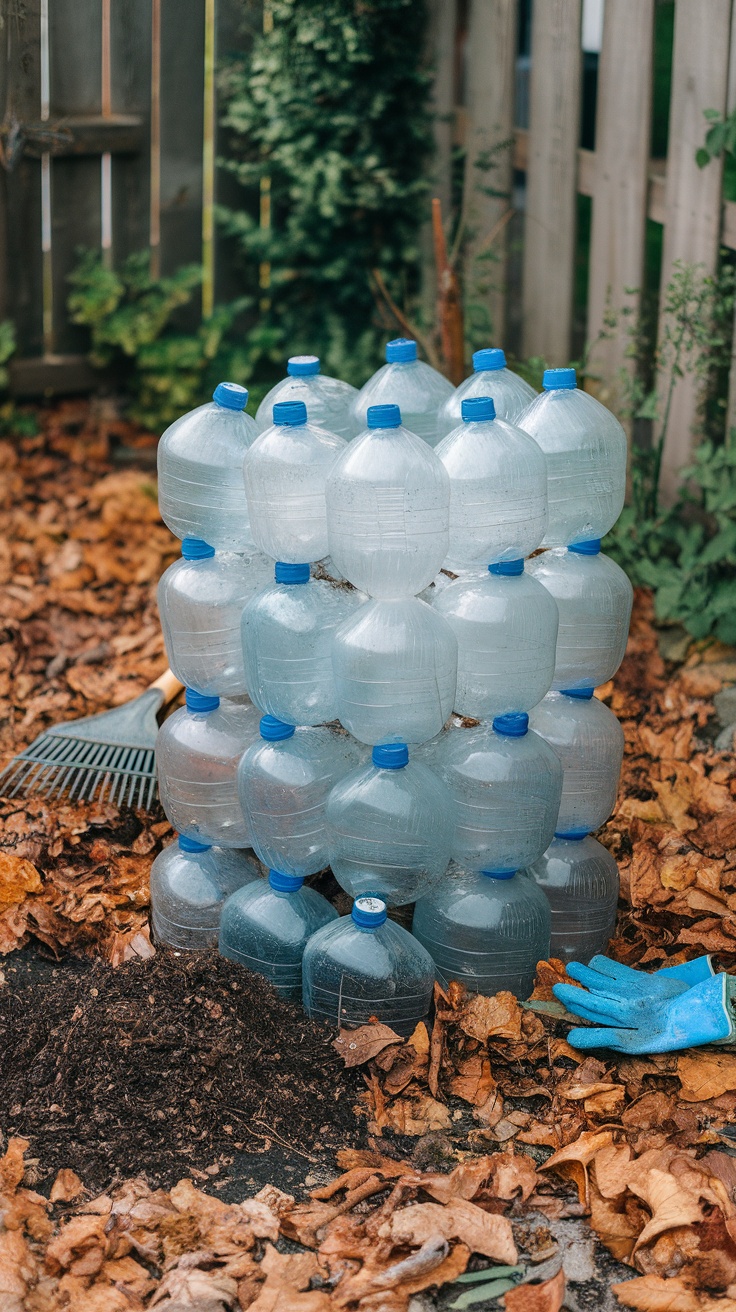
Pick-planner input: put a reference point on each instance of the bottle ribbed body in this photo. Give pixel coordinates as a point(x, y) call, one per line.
point(267, 931)
point(201, 603)
point(351, 974)
point(585, 447)
point(285, 472)
point(188, 892)
point(506, 795)
point(200, 486)
point(506, 630)
point(197, 756)
point(581, 883)
point(589, 743)
point(498, 493)
point(287, 633)
point(388, 500)
point(395, 670)
point(594, 598)
point(487, 933)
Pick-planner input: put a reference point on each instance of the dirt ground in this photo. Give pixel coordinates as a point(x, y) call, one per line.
point(379, 1172)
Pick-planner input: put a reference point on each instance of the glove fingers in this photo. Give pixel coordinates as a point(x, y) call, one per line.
point(619, 1040)
point(591, 979)
point(600, 1010)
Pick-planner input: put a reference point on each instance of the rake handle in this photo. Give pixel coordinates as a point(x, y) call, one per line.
point(168, 685)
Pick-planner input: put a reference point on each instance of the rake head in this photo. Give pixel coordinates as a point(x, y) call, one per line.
point(112, 752)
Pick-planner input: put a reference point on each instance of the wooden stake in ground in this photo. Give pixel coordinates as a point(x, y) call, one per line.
point(449, 303)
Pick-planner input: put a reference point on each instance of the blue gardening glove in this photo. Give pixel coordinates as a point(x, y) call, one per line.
point(633, 991)
point(702, 1014)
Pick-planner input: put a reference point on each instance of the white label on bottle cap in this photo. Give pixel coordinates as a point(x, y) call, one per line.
point(372, 904)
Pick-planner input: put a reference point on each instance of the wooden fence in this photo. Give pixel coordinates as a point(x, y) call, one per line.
point(109, 139)
point(627, 187)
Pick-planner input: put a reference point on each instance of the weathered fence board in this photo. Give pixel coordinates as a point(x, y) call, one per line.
point(693, 195)
point(549, 227)
point(130, 41)
point(621, 179)
point(491, 54)
point(22, 86)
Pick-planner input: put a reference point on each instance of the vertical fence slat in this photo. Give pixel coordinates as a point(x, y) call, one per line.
point(75, 43)
point(730, 105)
point(441, 35)
point(622, 144)
point(549, 227)
point(130, 43)
point(693, 196)
point(182, 102)
point(491, 54)
point(23, 100)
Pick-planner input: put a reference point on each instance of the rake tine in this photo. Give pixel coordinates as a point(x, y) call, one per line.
point(25, 782)
point(97, 758)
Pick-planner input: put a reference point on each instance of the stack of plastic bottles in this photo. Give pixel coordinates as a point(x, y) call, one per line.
point(384, 676)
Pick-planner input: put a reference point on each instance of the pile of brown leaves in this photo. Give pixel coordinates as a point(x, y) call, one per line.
point(641, 1138)
point(673, 832)
point(379, 1233)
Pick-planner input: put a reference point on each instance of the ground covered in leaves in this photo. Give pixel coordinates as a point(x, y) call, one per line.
point(475, 1141)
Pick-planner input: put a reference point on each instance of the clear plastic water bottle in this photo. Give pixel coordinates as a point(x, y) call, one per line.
point(284, 781)
point(506, 628)
point(197, 754)
point(490, 377)
point(498, 488)
point(395, 667)
point(364, 965)
point(589, 743)
point(506, 785)
point(266, 926)
point(328, 400)
point(189, 886)
point(417, 388)
point(200, 457)
point(389, 828)
point(285, 472)
point(287, 632)
point(580, 880)
point(487, 929)
point(200, 601)
point(388, 500)
point(594, 598)
point(585, 447)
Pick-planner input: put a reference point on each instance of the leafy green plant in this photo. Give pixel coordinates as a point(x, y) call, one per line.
point(329, 123)
point(129, 315)
point(686, 552)
point(720, 139)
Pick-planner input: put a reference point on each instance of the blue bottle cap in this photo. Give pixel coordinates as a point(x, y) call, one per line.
point(302, 366)
point(555, 380)
point(273, 730)
point(196, 549)
point(292, 413)
point(573, 835)
point(200, 701)
point(383, 416)
point(400, 350)
point(284, 573)
point(369, 911)
point(191, 844)
point(477, 410)
point(589, 548)
point(499, 874)
point(231, 395)
point(583, 694)
point(508, 567)
point(491, 357)
point(284, 883)
point(390, 756)
point(513, 725)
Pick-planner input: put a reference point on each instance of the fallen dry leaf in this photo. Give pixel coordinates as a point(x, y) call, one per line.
point(659, 1294)
point(704, 1075)
point(458, 1219)
point(18, 878)
point(497, 1017)
point(362, 1044)
point(545, 1297)
point(66, 1186)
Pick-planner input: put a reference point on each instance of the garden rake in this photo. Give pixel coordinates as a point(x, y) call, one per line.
point(113, 751)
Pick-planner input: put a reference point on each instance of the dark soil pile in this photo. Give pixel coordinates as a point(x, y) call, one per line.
point(166, 1067)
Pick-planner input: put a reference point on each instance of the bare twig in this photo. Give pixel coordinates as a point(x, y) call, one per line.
point(409, 328)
